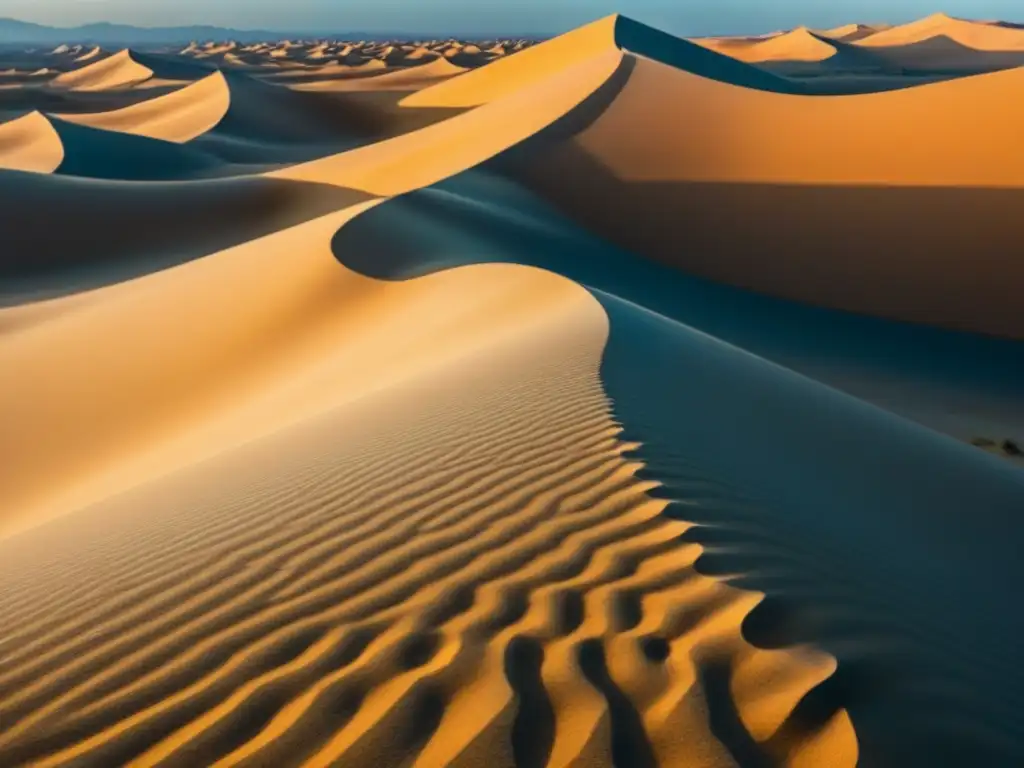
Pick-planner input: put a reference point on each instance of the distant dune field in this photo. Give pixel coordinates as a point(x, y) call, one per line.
point(611, 400)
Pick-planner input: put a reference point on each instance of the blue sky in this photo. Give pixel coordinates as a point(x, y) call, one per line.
point(690, 17)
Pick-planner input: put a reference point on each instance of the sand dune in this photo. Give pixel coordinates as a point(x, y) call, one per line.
point(917, 153)
point(363, 408)
point(798, 45)
point(120, 70)
point(90, 54)
point(977, 35)
point(30, 143)
point(408, 79)
point(849, 33)
point(603, 37)
point(177, 116)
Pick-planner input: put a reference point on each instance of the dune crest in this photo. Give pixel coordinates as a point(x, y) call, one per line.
point(119, 70)
point(797, 45)
point(30, 143)
point(719, 147)
point(178, 116)
point(973, 34)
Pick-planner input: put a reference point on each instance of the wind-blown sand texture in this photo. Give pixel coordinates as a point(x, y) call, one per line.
point(606, 401)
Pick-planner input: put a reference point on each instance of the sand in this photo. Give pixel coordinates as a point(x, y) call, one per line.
point(435, 414)
point(926, 148)
point(117, 71)
point(973, 34)
point(30, 143)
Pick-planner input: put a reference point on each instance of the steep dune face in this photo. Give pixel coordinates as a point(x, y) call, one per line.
point(611, 34)
point(121, 70)
point(112, 230)
point(845, 201)
point(30, 143)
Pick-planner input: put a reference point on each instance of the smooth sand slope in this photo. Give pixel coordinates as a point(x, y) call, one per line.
point(120, 70)
point(846, 201)
point(30, 143)
point(178, 116)
point(445, 571)
point(290, 477)
point(797, 45)
point(409, 79)
point(978, 35)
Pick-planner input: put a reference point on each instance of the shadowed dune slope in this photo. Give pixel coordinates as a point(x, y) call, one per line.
point(240, 120)
point(30, 143)
point(958, 383)
point(901, 490)
point(111, 230)
point(944, 55)
point(852, 202)
point(101, 154)
point(797, 45)
point(804, 52)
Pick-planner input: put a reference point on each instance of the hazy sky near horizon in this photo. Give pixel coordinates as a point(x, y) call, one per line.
point(690, 17)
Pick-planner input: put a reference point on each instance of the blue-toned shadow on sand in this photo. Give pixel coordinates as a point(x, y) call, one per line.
point(883, 542)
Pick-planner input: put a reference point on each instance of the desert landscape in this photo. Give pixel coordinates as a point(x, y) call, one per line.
point(614, 399)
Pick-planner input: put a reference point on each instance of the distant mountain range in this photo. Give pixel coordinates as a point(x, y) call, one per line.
point(14, 32)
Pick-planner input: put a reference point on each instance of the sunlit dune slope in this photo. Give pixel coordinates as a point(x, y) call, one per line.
point(437, 417)
point(797, 45)
point(613, 33)
point(524, 596)
point(973, 34)
point(848, 201)
point(119, 70)
point(30, 143)
point(177, 116)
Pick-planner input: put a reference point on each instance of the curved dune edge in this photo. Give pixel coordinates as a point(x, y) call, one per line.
point(797, 45)
point(484, 379)
point(814, 180)
point(30, 143)
point(535, 65)
point(119, 70)
point(613, 33)
point(438, 151)
point(708, 416)
point(179, 116)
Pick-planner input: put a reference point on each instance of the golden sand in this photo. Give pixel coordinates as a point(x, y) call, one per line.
point(262, 509)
